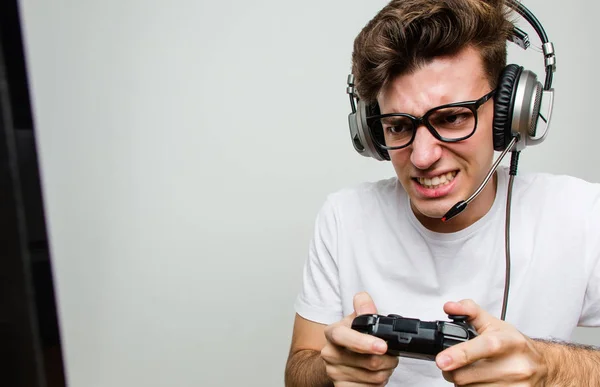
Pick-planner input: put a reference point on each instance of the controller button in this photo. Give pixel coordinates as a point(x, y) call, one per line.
point(406, 325)
point(394, 316)
point(458, 318)
point(449, 329)
point(364, 323)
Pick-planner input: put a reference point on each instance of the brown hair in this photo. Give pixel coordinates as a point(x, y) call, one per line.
point(407, 34)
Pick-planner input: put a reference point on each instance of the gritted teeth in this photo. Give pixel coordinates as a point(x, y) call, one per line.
point(437, 181)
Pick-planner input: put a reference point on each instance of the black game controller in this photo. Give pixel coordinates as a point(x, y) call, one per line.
point(409, 337)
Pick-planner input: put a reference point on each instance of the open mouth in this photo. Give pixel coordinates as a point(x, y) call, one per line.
point(437, 181)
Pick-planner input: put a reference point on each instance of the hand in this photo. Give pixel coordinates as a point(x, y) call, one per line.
point(353, 358)
point(499, 356)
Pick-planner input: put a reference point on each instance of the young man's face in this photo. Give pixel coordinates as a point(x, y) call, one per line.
point(463, 164)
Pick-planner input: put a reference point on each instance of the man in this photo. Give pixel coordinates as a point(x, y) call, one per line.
point(382, 248)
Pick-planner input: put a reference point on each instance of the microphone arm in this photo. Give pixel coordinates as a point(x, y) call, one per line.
point(460, 206)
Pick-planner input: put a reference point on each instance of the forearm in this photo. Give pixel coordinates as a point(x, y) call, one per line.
point(570, 364)
point(306, 368)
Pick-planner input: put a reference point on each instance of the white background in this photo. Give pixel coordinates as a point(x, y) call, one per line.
point(186, 147)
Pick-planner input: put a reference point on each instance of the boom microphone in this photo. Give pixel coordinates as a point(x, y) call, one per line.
point(460, 206)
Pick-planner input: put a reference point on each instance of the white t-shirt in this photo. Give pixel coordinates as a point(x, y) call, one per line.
point(368, 239)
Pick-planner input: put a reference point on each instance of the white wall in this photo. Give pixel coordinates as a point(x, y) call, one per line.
point(186, 147)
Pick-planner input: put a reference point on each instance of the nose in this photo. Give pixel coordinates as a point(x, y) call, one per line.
point(426, 150)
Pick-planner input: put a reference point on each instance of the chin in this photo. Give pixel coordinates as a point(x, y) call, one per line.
point(433, 210)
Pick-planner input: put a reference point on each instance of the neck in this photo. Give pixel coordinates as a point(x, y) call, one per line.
point(475, 211)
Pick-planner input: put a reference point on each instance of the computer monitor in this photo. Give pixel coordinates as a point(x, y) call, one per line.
point(30, 345)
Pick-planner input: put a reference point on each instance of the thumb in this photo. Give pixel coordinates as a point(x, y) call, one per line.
point(363, 304)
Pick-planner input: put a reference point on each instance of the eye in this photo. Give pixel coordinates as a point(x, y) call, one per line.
point(397, 126)
point(455, 118)
point(452, 118)
point(397, 129)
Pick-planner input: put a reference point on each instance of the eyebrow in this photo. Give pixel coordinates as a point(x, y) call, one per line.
point(431, 108)
point(396, 111)
point(394, 119)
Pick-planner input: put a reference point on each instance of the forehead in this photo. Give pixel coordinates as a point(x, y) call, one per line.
point(443, 80)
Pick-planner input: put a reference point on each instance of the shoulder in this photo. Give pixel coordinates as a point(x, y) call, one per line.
point(547, 187)
point(556, 198)
point(362, 202)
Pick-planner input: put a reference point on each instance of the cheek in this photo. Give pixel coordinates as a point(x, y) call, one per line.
point(400, 159)
point(480, 147)
point(484, 128)
point(486, 140)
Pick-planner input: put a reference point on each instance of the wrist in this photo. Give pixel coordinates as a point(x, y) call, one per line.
point(306, 368)
point(549, 358)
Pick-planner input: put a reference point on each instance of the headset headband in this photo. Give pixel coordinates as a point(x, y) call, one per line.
point(521, 39)
point(516, 112)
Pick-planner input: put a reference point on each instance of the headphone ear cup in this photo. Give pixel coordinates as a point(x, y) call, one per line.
point(373, 110)
point(361, 134)
point(504, 101)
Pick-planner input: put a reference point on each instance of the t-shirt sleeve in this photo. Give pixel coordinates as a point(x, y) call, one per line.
point(319, 298)
point(590, 313)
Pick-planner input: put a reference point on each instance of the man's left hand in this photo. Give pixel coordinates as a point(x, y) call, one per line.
point(499, 356)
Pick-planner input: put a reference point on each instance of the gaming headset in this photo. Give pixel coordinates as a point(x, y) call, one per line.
point(517, 109)
point(517, 101)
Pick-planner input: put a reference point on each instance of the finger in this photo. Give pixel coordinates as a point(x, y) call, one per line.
point(474, 373)
point(506, 370)
point(463, 354)
point(337, 355)
point(342, 373)
point(368, 362)
point(363, 304)
point(450, 377)
point(479, 318)
point(353, 384)
point(347, 321)
point(355, 341)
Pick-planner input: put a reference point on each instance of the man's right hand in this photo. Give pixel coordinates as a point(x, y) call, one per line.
point(353, 358)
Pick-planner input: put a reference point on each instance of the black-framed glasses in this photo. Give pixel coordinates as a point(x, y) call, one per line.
point(448, 123)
